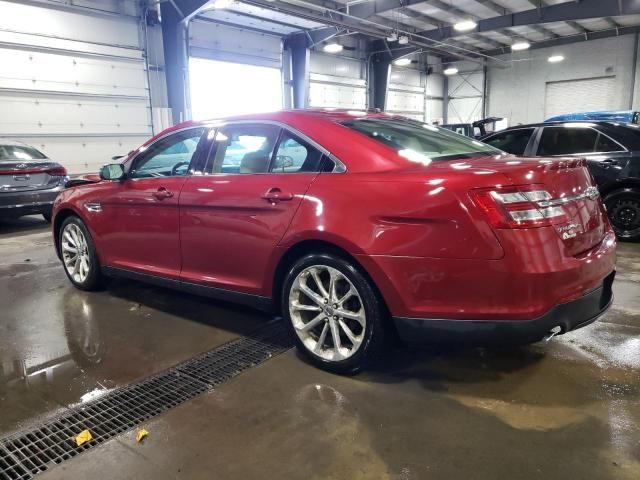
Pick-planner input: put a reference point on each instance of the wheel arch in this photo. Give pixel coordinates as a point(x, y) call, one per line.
point(58, 220)
point(304, 247)
point(619, 185)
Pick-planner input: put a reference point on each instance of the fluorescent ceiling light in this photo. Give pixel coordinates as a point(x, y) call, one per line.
point(450, 71)
point(402, 62)
point(465, 26)
point(520, 46)
point(332, 48)
point(403, 40)
point(220, 4)
point(555, 58)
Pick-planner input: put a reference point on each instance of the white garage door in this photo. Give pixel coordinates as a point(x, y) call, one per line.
point(336, 82)
point(72, 84)
point(406, 95)
point(586, 95)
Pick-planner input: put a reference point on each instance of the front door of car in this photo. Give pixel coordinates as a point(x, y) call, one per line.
point(234, 214)
point(140, 225)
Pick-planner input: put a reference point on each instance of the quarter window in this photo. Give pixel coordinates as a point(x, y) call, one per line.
point(605, 144)
point(294, 155)
point(169, 156)
point(511, 141)
point(567, 141)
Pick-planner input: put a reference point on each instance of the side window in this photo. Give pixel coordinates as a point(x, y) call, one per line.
point(511, 141)
point(167, 157)
point(567, 141)
point(294, 155)
point(242, 149)
point(605, 144)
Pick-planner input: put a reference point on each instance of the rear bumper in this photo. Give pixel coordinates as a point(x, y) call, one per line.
point(17, 204)
point(568, 316)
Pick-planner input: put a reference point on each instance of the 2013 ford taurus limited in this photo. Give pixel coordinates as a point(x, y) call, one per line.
point(350, 224)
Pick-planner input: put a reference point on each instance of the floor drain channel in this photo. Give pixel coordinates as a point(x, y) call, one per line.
point(27, 453)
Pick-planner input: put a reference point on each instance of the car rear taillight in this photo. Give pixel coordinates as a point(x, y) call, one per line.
point(57, 171)
point(518, 207)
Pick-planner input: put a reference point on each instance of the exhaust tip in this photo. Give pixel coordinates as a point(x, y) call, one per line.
point(552, 333)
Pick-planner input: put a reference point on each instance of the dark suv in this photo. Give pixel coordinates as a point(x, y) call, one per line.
point(612, 151)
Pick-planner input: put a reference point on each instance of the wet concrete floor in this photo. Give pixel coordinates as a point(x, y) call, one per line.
point(569, 408)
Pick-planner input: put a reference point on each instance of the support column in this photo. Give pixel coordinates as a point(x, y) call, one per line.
point(300, 57)
point(380, 72)
point(174, 38)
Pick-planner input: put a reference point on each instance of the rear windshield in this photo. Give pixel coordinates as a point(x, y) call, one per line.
point(416, 140)
point(19, 152)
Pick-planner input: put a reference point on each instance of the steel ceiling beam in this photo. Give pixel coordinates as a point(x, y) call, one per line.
point(595, 35)
point(562, 12)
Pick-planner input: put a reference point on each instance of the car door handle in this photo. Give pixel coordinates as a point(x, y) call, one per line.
point(610, 161)
point(275, 195)
point(162, 193)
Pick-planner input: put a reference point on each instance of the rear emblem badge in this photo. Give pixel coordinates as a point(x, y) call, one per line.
point(567, 231)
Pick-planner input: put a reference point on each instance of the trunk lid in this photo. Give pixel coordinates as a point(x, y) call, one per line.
point(571, 187)
point(22, 176)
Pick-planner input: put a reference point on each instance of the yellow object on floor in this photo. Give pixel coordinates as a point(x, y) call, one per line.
point(83, 437)
point(141, 434)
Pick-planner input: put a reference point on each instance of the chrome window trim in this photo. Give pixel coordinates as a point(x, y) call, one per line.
point(591, 193)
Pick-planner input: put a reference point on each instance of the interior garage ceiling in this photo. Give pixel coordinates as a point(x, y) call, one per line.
point(428, 23)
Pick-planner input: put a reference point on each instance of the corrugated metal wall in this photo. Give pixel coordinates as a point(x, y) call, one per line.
point(466, 94)
point(337, 82)
point(74, 82)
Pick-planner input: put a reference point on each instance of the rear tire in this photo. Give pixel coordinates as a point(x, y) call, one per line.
point(623, 208)
point(327, 303)
point(79, 255)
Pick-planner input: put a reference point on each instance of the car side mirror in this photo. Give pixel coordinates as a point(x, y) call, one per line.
point(112, 171)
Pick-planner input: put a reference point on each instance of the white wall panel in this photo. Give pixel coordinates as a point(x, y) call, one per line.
point(518, 92)
point(323, 95)
point(73, 83)
point(434, 111)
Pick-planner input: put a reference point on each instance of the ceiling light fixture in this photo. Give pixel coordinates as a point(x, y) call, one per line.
point(555, 58)
point(393, 37)
point(402, 62)
point(516, 47)
point(403, 40)
point(220, 4)
point(450, 71)
point(332, 47)
point(465, 26)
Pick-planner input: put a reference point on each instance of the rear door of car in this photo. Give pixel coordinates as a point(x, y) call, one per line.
point(235, 211)
point(602, 152)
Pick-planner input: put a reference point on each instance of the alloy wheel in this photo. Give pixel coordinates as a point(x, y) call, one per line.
point(327, 312)
point(75, 253)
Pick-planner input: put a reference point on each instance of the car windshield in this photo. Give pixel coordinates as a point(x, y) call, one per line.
point(420, 141)
point(19, 152)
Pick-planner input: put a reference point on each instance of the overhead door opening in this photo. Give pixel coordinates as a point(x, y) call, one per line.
point(584, 95)
point(221, 89)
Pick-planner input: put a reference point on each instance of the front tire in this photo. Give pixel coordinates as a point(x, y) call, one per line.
point(79, 256)
point(333, 312)
point(623, 208)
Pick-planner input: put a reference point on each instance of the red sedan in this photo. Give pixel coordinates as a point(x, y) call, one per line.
point(351, 225)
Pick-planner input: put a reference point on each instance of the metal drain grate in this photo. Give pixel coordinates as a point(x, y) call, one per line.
point(24, 454)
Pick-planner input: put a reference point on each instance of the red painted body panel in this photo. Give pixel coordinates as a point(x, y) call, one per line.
point(414, 228)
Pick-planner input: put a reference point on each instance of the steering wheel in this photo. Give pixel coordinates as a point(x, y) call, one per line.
point(174, 170)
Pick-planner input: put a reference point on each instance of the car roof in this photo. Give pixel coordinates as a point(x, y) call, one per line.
point(326, 114)
point(8, 141)
point(601, 123)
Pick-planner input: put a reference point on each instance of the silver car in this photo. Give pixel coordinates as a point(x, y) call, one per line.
point(29, 181)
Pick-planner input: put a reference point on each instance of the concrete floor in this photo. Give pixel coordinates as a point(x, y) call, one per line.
point(569, 408)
